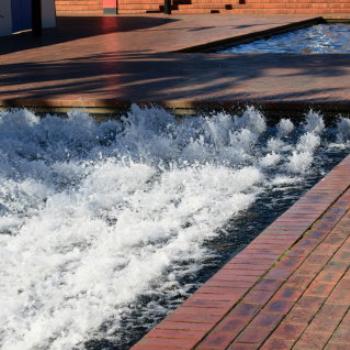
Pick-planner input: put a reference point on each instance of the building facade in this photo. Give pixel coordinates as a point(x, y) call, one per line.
point(313, 7)
point(16, 15)
point(86, 7)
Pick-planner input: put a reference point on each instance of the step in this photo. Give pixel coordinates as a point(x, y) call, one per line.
point(79, 13)
point(286, 12)
point(130, 12)
point(314, 7)
point(204, 6)
point(152, 2)
point(145, 7)
point(195, 11)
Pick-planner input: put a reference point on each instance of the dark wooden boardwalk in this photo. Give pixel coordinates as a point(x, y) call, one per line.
point(289, 289)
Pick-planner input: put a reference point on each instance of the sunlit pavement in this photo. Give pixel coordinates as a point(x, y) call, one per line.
point(98, 62)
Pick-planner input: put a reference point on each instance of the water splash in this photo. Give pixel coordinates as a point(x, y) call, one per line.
point(95, 215)
point(330, 38)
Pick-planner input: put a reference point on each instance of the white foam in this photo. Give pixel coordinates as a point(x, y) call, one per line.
point(301, 158)
point(299, 162)
point(308, 142)
point(94, 215)
point(285, 127)
point(343, 130)
point(270, 159)
point(283, 180)
point(276, 145)
point(314, 122)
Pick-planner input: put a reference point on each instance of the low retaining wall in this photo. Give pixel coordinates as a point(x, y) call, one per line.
point(240, 6)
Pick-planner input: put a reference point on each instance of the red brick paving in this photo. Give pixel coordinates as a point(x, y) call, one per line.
point(112, 61)
point(294, 295)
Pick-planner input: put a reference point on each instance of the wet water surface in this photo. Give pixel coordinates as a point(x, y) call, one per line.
point(105, 227)
point(317, 39)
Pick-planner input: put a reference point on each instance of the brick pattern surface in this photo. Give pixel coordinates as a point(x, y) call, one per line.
point(288, 289)
point(314, 7)
point(64, 7)
point(108, 62)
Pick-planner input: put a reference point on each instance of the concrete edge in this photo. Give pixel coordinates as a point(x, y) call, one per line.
point(180, 107)
point(246, 38)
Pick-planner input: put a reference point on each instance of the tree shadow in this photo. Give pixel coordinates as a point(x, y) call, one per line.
point(197, 77)
point(72, 28)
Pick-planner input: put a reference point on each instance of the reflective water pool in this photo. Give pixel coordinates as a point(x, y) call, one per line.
point(318, 39)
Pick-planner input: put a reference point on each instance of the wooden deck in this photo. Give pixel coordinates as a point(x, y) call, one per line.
point(290, 288)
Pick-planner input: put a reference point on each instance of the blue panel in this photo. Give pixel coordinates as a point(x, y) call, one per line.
point(21, 15)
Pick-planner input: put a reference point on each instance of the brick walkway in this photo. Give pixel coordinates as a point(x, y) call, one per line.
point(106, 62)
point(290, 288)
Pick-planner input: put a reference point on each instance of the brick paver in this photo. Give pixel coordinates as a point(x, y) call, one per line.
point(289, 289)
point(111, 62)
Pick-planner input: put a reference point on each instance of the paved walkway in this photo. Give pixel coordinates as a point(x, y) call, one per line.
point(104, 62)
point(289, 289)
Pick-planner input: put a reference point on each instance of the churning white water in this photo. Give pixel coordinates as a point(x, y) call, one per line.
point(94, 216)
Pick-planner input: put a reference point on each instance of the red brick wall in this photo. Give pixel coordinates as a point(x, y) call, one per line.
point(241, 6)
point(67, 7)
point(139, 6)
point(71, 7)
